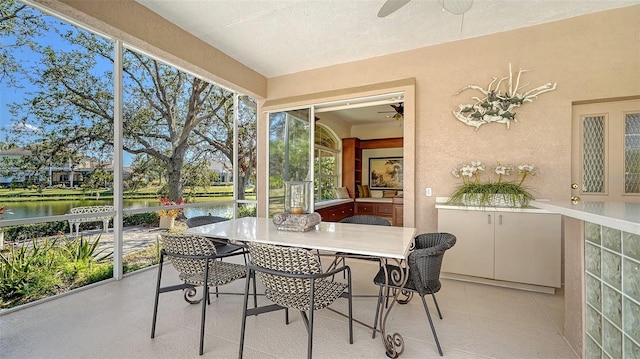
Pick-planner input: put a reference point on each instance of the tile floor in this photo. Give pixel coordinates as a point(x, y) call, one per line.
point(113, 320)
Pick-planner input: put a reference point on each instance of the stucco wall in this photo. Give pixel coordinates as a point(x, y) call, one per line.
point(590, 57)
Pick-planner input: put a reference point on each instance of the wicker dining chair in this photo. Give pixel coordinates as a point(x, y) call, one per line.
point(223, 247)
point(424, 273)
point(294, 279)
point(195, 258)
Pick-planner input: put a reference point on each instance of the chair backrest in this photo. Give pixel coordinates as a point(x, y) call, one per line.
point(202, 220)
point(425, 261)
point(366, 219)
point(288, 260)
point(188, 245)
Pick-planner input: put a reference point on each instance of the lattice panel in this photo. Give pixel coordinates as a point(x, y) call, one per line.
point(632, 153)
point(593, 154)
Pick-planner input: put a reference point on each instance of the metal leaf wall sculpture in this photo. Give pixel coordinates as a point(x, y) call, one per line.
point(495, 106)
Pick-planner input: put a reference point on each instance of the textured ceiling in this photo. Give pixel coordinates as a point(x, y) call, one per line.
point(277, 37)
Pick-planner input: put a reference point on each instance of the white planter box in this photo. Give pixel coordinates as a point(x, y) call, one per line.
point(167, 222)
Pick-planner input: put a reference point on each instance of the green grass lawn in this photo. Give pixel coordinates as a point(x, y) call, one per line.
point(21, 194)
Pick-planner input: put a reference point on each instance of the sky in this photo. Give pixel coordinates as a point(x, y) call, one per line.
point(12, 94)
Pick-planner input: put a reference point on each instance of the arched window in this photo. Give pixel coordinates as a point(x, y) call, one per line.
point(326, 164)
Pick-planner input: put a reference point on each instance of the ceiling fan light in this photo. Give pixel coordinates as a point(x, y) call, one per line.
point(456, 7)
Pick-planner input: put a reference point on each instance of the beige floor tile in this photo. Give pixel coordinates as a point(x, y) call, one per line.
point(113, 320)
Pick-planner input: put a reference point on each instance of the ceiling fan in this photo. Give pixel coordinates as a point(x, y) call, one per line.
point(399, 111)
point(456, 7)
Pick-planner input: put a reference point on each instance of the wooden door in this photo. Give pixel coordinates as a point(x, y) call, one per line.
point(606, 151)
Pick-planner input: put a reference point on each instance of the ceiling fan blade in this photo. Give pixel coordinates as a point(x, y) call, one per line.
point(391, 6)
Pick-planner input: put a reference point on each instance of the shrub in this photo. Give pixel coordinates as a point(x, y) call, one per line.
point(137, 219)
point(29, 231)
point(26, 270)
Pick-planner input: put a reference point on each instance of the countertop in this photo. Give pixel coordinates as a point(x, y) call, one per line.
point(624, 216)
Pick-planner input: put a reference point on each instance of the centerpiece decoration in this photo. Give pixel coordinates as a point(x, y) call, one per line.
point(168, 216)
point(296, 216)
point(499, 193)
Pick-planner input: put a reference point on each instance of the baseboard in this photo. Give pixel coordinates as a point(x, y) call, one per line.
point(498, 283)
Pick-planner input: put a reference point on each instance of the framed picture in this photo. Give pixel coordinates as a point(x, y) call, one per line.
point(385, 173)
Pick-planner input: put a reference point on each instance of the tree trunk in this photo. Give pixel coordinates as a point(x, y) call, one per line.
point(174, 179)
point(242, 184)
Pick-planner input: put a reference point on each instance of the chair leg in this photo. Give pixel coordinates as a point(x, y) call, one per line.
point(437, 306)
point(244, 311)
point(205, 289)
point(350, 298)
point(433, 329)
point(310, 324)
point(155, 305)
point(286, 316)
point(255, 289)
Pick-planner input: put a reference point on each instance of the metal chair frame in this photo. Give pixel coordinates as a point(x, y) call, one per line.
point(424, 274)
point(190, 289)
point(223, 247)
point(312, 304)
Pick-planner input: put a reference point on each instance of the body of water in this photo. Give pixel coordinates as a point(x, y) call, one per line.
point(33, 209)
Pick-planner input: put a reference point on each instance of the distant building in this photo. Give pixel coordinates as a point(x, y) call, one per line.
point(69, 175)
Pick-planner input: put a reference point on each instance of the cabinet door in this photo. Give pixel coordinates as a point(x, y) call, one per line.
point(473, 252)
point(384, 209)
point(527, 248)
point(397, 215)
point(365, 208)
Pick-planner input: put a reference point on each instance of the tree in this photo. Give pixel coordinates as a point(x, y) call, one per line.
point(18, 25)
point(170, 116)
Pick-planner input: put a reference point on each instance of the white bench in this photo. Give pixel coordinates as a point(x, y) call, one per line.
point(90, 210)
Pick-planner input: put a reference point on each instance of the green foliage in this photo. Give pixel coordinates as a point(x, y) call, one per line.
point(247, 211)
point(24, 270)
point(82, 250)
point(38, 269)
point(36, 230)
point(140, 218)
point(512, 193)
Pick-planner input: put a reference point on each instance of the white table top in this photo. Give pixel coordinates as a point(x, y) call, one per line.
point(378, 241)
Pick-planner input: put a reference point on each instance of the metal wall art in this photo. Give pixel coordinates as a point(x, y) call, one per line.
point(495, 106)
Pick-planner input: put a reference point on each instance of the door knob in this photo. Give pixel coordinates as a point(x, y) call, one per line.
point(575, 199)
point(574, 186)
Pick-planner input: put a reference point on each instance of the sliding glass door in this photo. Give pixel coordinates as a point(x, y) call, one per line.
point(290, 153)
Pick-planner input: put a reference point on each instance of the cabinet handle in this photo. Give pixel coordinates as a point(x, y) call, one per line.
point(488, 219)
point(500, 219)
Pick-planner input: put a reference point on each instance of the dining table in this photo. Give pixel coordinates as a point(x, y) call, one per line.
point(359, 240)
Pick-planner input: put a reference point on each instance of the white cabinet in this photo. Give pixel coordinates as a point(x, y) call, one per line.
point(509, 246)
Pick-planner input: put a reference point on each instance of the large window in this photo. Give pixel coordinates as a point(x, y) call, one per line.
point(326, 164)
point(183, 138)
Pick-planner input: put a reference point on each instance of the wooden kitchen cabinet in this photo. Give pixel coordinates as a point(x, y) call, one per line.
point(379, 209)
point(398, 211)
point(508, 246)
point(336, 213)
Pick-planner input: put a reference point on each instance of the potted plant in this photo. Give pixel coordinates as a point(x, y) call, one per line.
point(500, 193)
point(168, 216)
